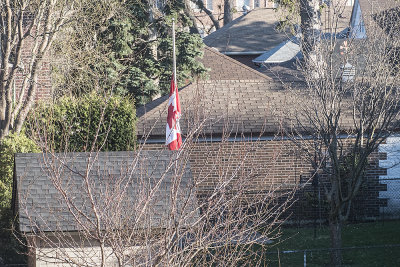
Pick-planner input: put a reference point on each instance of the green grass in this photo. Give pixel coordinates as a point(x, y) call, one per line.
point(364, 234)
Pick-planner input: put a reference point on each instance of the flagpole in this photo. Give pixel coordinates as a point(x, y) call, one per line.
point(173, 130)
point(173, 50)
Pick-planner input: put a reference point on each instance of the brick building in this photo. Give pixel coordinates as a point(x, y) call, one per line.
point(30, 52)
point(44, 84)
point(26, 70)
point(244, 116)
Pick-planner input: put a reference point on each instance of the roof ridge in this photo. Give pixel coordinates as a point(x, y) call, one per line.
point(215, 51)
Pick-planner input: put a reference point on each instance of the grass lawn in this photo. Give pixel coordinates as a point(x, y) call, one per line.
point(363, 234)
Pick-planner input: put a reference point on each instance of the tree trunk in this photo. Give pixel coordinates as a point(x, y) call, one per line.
point(189, 12)
point(152, 39)
point(335, 227)
point(152, 31)
point(228, 14)
point(215, 22)
point(311, 36)
point(310, 25)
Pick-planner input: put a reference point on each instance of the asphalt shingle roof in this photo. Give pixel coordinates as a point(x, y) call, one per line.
point(225, 68)
point(256, 31)
point(237, 106)
point(52, 189)
point(369, 8)
point(227, 105)
point(232, 88)
point(252, 32)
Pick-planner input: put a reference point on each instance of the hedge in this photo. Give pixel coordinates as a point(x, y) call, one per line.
point(90, 122)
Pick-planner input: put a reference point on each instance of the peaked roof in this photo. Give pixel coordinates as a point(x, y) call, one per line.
point(225, 68)
point(256, 31)
point(376, 13)
point(223, 105)
point(234, 94)
point(241, 106)
point(285, 51)
point(253, 32)
point(126, 178)
point(369, 7)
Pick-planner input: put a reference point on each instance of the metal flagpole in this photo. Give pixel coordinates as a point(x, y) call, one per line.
point(173, 50)
point(173, 195)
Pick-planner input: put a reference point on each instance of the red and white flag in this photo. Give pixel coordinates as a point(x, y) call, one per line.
point(173, 131)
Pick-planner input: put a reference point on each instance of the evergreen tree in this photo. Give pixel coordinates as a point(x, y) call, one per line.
point(133, 50)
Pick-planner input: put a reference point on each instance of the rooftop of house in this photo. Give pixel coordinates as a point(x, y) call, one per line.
point(242, 101)
point(373, 6)
point(336, 17)
point(239, 99)
point(256, 32)
point(253, 32)
point(221, 68)
point(50, 191)
point(382, 13)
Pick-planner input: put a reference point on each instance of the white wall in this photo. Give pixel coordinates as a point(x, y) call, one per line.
point(392, 163)
point(87, 256)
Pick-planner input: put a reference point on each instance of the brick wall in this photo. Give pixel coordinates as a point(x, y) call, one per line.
point(44, 85)
point(263, 166)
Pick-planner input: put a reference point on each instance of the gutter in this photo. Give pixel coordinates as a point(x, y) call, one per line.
point(240, 139)
point(245, 53)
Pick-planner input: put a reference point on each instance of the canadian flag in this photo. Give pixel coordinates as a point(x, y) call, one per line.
point(173, 131)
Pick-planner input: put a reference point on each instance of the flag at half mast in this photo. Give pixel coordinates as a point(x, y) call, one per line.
point(173, 131)
point(173, 137)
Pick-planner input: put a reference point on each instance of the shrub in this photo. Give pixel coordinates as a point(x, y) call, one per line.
point(13, 143)
point(101, 122)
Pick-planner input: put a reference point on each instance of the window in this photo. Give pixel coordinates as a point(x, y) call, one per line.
point(241, 3)
point(256, 3)
point(194, 6)
point(210, 4)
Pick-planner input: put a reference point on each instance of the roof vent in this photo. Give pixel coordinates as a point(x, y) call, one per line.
point(349, 71)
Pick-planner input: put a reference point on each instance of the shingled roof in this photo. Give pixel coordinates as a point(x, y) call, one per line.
point(256, 31)
point(225, 68)
point(377, 12)
point(49, 190)
point(225, 105)
point(232, 88)
point(242, 106)
point(253, 32)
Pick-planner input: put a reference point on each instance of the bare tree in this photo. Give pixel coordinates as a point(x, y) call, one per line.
point(228, 11)
point(346, 111)
point(153, 207)
point(310, 25)
point(204, 9)
point(28, 29)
